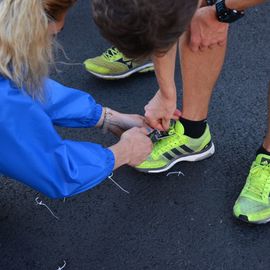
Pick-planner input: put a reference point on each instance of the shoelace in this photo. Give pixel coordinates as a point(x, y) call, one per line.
point(162, 146)
point(259, 182)
point(111, 52)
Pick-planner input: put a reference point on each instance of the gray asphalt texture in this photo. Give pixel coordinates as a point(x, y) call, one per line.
point(165, 223)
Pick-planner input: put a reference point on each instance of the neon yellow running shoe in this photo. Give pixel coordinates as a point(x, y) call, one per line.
point(177, 147)
point(112, 64)
point(253, 203)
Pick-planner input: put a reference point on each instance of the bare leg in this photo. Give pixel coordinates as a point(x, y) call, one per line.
point(266, 143)
point(200, 72)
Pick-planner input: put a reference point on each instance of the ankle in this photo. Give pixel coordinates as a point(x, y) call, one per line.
point(194, 114)
point(266, 145)
point(263, 150)
point(194, 129)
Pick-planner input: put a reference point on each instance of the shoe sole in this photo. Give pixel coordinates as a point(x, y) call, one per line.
point(190, 158)
point(245, 219)
point(141, 69)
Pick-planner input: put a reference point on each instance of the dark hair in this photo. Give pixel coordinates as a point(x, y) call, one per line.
point(139, 28)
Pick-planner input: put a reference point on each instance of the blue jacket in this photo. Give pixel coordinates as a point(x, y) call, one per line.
point(32, 152)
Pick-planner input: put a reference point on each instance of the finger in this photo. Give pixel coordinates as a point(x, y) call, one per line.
point(206, 43)
point(222, 43)
point(150, 117)
point(160, 127)
point(194, 48)
point(175, 117)
point(155, 124)
point(177, 113)
point(165, 123)
point(146, 125)
point(202, 48)
point(194, 44)
point(146, 108)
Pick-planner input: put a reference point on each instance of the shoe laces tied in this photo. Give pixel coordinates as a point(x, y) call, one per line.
point(110, 53)
point(259, 181)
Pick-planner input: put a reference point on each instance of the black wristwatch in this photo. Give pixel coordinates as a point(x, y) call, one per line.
point(225, 14)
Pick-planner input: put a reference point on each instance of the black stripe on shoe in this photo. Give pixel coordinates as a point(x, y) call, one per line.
point(187, 149)
point(168, 156)
point(176, 152)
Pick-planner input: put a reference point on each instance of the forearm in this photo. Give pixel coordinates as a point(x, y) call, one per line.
point(165, 69)
point(43, 160)
point(238, 4)
point(68, 107)
point(243, 4)
point(55, 167)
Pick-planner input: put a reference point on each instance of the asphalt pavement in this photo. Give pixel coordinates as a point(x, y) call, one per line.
point(165, 223)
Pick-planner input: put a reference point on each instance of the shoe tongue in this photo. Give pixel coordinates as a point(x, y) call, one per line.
point(179, 128)
point(263, 159)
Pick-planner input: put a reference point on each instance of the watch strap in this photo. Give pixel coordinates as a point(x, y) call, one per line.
point(227, 15)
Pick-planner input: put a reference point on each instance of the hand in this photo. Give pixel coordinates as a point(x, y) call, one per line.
point(117, 122)
point(160, 110)
point(206, 31)
point(139, 144)
point(120, 122)
point(133, 148)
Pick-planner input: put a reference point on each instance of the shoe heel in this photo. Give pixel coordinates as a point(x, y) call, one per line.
point(210, 152)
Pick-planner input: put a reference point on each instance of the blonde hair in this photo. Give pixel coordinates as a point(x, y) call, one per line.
point(25, 42)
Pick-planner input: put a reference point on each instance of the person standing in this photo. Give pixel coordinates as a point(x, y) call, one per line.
point(155, 28)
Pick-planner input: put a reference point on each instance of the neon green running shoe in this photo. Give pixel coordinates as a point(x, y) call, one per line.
point(253, 203)
point(177, 147)
point(112, 64)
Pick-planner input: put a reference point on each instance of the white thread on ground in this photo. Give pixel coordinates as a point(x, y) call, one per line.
point(43, 204)
point(69, 64)
point(178, 173)
point(62, 267)
point(110, 177)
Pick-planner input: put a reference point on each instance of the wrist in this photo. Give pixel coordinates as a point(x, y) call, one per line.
point(168, 93)
point(238, 5)
point(101, 119)
point(109, 118)
point(121, 154)
point(226, 11)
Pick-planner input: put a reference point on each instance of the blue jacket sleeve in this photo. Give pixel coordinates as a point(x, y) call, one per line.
point(33, 153)
point(70, 107)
